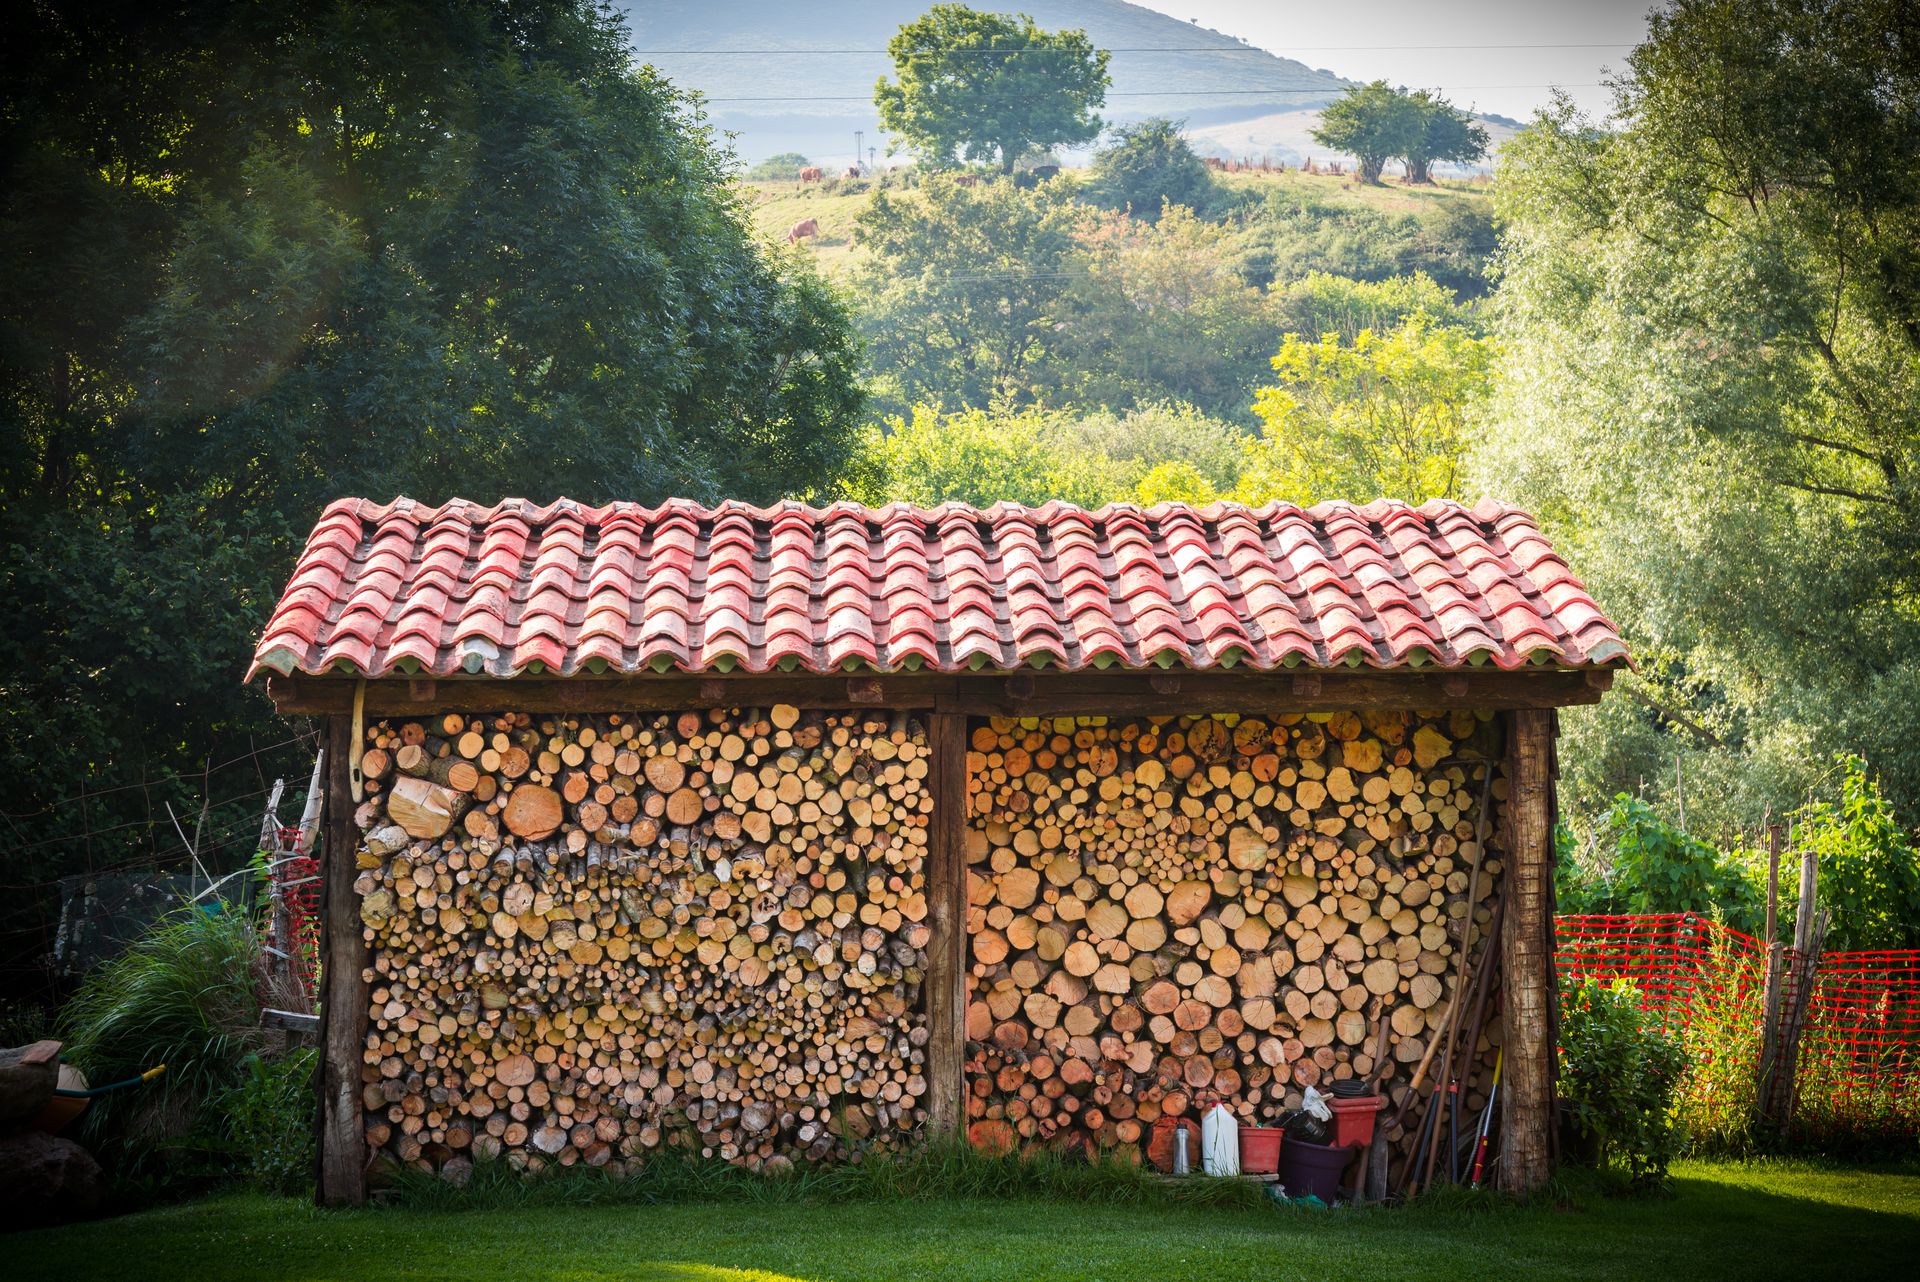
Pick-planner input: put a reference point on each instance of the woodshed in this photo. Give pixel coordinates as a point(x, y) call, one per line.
point(784, 832)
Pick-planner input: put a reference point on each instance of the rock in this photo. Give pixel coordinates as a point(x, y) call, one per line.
point(45, 1180)
point(28, 1075)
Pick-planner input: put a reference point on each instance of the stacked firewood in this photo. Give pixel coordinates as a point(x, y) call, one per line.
point(1167, 912)
point(591, 935)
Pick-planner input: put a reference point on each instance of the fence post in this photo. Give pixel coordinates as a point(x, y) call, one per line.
point(1779, 1099)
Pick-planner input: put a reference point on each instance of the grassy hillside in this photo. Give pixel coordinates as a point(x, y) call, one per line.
point(836, 205)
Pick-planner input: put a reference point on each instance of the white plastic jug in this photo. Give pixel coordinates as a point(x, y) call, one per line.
point(1220, 1142)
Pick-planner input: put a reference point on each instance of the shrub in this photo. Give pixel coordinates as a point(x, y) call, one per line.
point(785, 166)
point(1619, 1073)
point(180, 995)
point(1869, 866)
point(1147, 167)
point(269, 1121)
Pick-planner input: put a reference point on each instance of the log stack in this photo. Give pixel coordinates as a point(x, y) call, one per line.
point(1165, 912)
point(591, 935)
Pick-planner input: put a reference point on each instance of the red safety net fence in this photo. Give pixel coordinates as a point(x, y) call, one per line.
point(1858, 1068)
point(296, 883)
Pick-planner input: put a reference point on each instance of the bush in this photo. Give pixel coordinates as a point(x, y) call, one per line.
point(180, 995)
point(1619, 1074)
point(1147, 167)
point(269, 1122)
point(784, 167)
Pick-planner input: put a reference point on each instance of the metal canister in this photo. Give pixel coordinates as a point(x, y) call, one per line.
point(1182, 1164)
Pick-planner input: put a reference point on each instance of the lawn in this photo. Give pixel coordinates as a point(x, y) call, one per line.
point(1724, 1220)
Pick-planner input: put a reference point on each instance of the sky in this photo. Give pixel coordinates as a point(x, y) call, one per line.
point(1364, 29)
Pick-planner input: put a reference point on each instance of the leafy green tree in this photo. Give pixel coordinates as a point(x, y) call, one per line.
point(1149, 166)
point(1445, 133)
point(1386, 415)
point(1373, 123)
point(989, 87)
point(1716, 297)
point(262, 256)
point(963, 289)
point(781, 166)
point(1322, 303)
point(1156, 311)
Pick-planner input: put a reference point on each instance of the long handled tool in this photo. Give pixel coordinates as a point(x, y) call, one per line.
point(1486, 1119)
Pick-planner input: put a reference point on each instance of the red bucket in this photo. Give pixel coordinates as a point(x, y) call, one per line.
point(1353, 1119)
point(1259, 1150)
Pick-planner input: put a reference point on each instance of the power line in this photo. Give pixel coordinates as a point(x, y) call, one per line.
point(1245, 49)
point(1155, 93)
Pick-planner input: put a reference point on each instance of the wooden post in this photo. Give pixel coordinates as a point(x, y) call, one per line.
point(1770, 1007)
point(1809, 933)
point(1527, 955)
point(343, 987)
point(946, 976)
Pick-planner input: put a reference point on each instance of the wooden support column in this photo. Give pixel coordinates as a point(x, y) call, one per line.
point(1527, 956)
point(343, 986)
point(946, 978)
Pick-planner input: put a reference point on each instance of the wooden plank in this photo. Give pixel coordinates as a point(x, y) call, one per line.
point(343, 989)
point(946, 977)
point(1041, 693)
point(1527, 956)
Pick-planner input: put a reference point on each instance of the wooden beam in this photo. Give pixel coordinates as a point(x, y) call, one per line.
point(343, 987)
point(946, 975)
point(1041, 693)
point(1528, 979)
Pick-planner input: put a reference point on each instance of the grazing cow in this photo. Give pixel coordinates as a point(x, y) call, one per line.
point(1044, 172)
point(801, 230)
point(1214, 162)
point(853, 171)
point(967, 180)
point(811, 174)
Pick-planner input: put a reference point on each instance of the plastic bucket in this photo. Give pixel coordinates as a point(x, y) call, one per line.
point(1313, 1168)
point(1260, 1149)
point(1353, 1119)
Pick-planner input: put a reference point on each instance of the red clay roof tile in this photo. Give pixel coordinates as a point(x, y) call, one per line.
point(397, 587)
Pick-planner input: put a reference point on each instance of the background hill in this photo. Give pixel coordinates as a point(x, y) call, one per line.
point(786, 76)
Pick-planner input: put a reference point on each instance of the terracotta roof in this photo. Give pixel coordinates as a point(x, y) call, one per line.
point(519, 588)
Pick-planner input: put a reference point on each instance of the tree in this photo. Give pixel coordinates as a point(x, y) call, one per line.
point(1373, 123)
point(779, 167)
point(1716, 296)
point(263, 256)
point(1149, 166)
point(1385, 416)
point(979, 87)
point(964, 288)
point(1153, 312)
point(1445, 133)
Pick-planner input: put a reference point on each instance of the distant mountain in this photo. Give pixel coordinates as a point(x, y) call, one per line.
point(785, 75)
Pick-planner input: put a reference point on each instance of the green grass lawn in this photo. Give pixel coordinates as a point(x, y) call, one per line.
point(1724, 1221)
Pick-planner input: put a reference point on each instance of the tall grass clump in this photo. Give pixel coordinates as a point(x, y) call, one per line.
point(180, 995)
point(936, 1170)
point(1721, 1034)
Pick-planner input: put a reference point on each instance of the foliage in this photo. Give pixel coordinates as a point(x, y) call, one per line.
point(1721, 1035)
point(1321, 303)
point(1373, 123)
point(269, 1121)
point(979, 87)
point(1382, 416)
point(1155, 311)
point(266, 256)
point(1644, 864)
point(1282, 234)
point(782, 166)
point(1869, 864)
point(180, 995)
point(1031, 456)
point(1619, 1073)
point(1716, 296)
point(1445, 133)
point(963, 288)
point(1148, 166)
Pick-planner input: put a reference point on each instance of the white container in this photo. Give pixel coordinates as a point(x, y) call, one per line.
point(1220, 1142)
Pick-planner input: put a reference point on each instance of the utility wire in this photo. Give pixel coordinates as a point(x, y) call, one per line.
point(1607, 44)
point(1156, 93)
